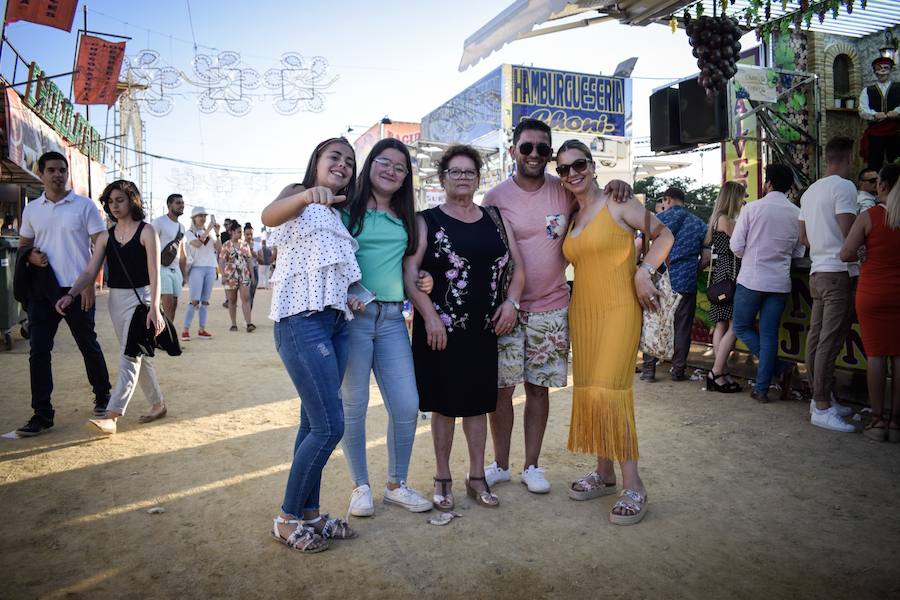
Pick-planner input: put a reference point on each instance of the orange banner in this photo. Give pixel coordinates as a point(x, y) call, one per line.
point(53, 13)
point(97, 70)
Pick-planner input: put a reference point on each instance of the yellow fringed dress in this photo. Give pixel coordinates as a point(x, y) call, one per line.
point(605, 328)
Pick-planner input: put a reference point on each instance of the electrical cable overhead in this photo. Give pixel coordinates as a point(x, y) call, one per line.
point(214, 166)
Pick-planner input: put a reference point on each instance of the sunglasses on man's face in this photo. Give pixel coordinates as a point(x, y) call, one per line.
point(869, 180)
point(543, 150)
point(579, 165)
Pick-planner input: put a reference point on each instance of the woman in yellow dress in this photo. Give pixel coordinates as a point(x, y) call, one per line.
point(605, 327)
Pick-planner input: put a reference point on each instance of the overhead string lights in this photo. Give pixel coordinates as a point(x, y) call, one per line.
point(222, 81)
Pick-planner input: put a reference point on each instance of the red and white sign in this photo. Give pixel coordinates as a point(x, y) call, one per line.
point(53, 13)
point(97, 70)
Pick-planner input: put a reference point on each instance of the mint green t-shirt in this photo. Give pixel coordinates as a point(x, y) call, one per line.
point(382, 244)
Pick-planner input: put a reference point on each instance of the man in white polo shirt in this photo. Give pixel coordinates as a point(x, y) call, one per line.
point(172, 275)
point(60, 226)
point(827, 211)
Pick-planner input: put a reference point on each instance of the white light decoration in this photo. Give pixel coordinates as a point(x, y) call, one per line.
point(299, 83)
point(223, 81)
point(226, 81)
point(149, 82)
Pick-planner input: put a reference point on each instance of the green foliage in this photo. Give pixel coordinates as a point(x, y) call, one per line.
point(700, 199)
point(798, 101)
point(784, 54)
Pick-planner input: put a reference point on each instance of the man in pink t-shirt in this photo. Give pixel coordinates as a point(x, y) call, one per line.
point(536, 353)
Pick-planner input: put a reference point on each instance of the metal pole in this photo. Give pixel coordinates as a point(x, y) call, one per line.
point(87, 114)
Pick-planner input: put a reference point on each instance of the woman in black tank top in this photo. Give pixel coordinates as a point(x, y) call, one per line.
point(131, 248)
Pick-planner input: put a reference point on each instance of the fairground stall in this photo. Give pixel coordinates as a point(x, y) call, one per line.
point(595, 109)
point(788, 97)
point(801, 85)
point(36, 118)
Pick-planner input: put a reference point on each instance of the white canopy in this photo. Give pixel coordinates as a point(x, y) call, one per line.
point(519, 19)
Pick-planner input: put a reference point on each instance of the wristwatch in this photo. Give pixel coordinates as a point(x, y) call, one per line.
point(649, 268)
point(514, 302)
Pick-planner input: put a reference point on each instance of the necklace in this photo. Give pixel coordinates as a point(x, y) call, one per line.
point(124, 234)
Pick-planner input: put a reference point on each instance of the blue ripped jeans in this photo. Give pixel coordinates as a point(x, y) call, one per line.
point(379, 342)
point(313, 349)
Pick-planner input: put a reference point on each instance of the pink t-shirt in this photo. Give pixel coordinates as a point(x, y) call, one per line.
point(539, 221)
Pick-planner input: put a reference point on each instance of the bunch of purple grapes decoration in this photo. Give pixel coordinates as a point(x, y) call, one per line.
point(717, 46)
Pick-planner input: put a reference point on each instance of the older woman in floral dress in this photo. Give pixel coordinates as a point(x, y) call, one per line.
point(455, 329)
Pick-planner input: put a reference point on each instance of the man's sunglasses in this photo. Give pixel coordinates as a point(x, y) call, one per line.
point(869, 180)
point(543, 150)
point(579, 165)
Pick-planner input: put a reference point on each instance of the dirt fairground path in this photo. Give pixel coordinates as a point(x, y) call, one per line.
point(746, 501)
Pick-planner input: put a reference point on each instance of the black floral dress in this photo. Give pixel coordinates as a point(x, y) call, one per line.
point(725, 266)
point(466, 261)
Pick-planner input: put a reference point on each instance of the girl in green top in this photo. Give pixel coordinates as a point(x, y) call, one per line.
point(381, 216)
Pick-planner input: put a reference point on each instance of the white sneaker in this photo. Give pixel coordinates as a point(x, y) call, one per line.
point(533, 477)
point(842, 410)
point(361, 504)
point(494, 474)
point(829, 419)
point(408, 498)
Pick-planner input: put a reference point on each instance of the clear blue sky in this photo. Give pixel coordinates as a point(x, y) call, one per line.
point(392, 58)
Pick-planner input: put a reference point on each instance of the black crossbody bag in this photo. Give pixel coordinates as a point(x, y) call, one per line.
point(141, 339)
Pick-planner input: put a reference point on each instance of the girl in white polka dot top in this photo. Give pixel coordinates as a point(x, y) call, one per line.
point(311, 307)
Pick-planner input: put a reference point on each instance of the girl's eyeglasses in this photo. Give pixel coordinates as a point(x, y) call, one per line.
point(387, 164)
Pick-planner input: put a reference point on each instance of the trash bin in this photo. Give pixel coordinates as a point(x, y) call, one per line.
point(9, 307)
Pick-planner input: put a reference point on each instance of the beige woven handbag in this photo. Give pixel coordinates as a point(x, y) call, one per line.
point(658, 327)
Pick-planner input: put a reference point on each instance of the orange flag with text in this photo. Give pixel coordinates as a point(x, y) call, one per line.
point(97, 70)
point(53, 13)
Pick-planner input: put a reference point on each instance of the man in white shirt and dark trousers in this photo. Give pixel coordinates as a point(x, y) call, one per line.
point(766, 237)
point(172, 275)
point(827, 211)
point(60, 226)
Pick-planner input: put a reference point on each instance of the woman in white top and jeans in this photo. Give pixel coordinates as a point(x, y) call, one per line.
point(202, 250)
point(311, 307)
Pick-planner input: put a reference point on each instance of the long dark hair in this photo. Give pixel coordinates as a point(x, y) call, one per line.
point(403, 202)
point(309, 179)
point(136, 206)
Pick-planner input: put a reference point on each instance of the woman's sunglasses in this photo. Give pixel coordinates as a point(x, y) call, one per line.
point(579, 165)
point(543, 150)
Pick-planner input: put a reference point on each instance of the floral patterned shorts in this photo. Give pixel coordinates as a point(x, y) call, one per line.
point(537, 350)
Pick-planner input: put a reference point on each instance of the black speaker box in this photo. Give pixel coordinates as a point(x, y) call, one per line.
point(703, 118)
point(665, 125)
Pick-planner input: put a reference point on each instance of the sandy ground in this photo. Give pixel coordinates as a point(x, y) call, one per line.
point(746, 500)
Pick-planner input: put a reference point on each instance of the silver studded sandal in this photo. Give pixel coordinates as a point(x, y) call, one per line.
point(303, 538)
point(330, 529)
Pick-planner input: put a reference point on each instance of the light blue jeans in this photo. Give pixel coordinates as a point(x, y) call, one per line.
point(379, 342)
point(313, 349)
point(200, 283)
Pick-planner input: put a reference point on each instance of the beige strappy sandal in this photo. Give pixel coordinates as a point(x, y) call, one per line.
point(630, 501)
point(592, 486)
point(444, 500)
point(486, 498)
